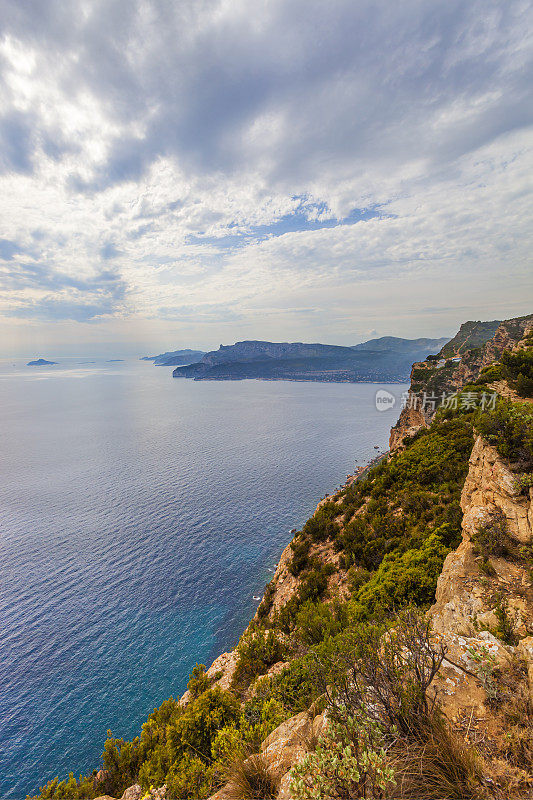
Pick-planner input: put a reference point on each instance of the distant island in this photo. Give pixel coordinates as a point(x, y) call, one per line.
point(385, 359)
point(175, 357)
point(41, 362)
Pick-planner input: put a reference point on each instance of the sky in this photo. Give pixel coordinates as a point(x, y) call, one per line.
point(186, 173)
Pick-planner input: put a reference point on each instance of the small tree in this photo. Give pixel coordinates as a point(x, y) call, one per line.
point(383, 673)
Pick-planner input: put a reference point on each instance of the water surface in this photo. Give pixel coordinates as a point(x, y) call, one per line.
point(139, 515)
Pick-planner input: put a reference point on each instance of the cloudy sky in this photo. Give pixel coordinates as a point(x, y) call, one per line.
point(190, 172)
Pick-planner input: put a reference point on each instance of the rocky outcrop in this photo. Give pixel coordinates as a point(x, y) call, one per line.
point(220, 673)
point(136, 792)
point(490, 487)
point(411, 419)
point(467, 614)
point(282, 749)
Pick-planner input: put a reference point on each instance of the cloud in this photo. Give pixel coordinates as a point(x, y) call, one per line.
point(197, 161)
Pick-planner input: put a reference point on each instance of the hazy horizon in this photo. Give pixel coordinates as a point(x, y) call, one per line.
point(138, 350)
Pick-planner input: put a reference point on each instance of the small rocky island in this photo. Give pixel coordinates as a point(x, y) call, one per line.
point(41, 362)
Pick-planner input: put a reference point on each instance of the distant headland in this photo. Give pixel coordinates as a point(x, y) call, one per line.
point(173, 358)
point(386, 359)
point(41, 362)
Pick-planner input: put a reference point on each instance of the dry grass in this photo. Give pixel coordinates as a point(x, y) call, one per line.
point(437, 766)
point(248, 779)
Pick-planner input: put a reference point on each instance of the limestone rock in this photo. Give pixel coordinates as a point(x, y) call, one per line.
point(409, 422)
point(287, 744)
point(285, 787)
point(134, 792)
point(457, 605)
point(490, 487)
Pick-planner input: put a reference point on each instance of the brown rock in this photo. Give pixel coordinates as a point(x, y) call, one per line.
point(134, 792)
point(490, 488)
point(287, 744)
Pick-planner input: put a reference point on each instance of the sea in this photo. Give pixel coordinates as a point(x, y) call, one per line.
point(139, 517)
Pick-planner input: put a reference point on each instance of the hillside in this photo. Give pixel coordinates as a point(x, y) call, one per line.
point(470, 335)
point(439, 377)
point(391, 655)
point(386, 359)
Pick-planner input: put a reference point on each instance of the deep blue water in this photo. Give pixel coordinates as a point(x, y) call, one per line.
point(138, 516)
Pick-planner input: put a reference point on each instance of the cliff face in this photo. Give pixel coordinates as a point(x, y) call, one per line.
point(430, 380)
point(484, 615)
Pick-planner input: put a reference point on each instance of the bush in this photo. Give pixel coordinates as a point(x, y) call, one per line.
point(198, 681)
point(190, 779)
point(517, 369)
point(403, 579)
point(349, 762)
point(509, 428)
point(295, 687)
point(441, 766)
point(267, 602)
point(492, 539)
point(121, 761)
point(300, 559)
point(249, 779)
point(316, 621)
point(257, 652)
point(383, 672)
point(322, 525)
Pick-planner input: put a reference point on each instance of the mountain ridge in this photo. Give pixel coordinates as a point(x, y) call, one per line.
point(385, 359)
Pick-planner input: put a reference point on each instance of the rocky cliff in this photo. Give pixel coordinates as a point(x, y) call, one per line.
point(456, 365)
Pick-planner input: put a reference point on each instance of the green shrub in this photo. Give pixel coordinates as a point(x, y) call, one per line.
point(408, 578)
point(316, 621)
point(198, 681)
point(505, 630)
point(82, 789)
point(295, 687)
point(524, 482)
point(256, 653)
point(190, 778)
point(322, 525)
point(509, 428)
point(490, 374)
point(267, 602)
point(517, 369)
point(300, 558)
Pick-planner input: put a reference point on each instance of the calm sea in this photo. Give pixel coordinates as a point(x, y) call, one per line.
point(139, 515)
